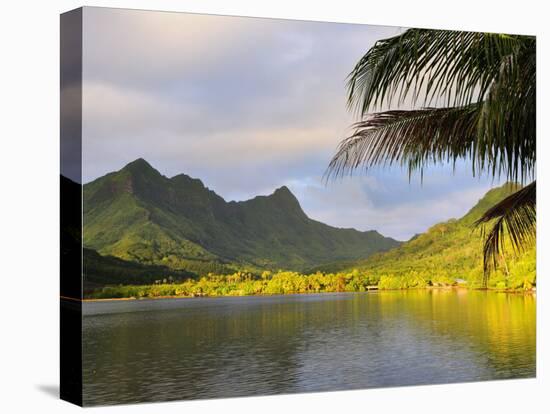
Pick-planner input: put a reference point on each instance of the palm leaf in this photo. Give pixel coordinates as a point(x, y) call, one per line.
point(507, 127)
point(413, 139)
point(424, 64)
point(496, 72)
point(486, 81)
point(516, 216)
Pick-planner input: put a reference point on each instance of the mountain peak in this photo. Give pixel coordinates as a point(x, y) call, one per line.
point(283, 198)
point(283, 191)
point(140, 170)
point(138, 165)
point(284, 194)
point(189, 182)
point(138, 213)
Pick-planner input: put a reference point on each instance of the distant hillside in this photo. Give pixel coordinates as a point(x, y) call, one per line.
point(447, 252)
point(141, 216)
point(104, 270)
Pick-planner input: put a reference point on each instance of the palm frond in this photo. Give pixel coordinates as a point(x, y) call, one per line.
point(507, 125)
point(425, 64)
point(504, 140)
point(413, 138)
point(486, 81)
point(515, 216)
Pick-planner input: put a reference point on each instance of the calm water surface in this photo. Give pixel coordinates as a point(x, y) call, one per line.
point(155, 350)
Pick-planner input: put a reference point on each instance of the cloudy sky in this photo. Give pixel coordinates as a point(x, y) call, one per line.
point(248, 105)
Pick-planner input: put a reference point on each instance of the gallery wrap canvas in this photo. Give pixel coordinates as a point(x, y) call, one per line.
point(255, 206)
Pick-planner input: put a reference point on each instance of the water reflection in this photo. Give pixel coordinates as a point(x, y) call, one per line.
point(224, 347)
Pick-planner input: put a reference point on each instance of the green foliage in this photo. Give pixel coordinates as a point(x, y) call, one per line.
point(521, 276)
point(138, 215)
point(243, 284)
point(523, 272)
point(103, 270)
point(412, 279)
point(450, 254)
point(515, 216)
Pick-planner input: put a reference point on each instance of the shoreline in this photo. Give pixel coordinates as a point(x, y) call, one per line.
point(509, 291)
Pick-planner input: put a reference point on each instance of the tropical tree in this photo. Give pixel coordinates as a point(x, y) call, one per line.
point(433, 96)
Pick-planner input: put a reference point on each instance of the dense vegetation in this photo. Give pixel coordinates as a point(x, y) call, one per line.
point(138, 215)
point(240, 284)
point(448, 254)
point(103, 270)
point(520, 276)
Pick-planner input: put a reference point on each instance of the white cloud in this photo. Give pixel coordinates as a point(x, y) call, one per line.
point(182, 89)
point(247, 105)
point(142, 45)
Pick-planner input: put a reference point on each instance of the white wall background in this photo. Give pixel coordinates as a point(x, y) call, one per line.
point(29, 102)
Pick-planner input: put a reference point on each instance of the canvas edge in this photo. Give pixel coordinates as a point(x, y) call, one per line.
point(70, 41)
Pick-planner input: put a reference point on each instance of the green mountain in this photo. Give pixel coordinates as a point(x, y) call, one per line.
point(138, 215)
point(104, 270)
point(447, 252)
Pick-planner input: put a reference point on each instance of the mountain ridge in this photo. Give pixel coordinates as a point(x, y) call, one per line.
point(138, 214)
point(448, 251)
